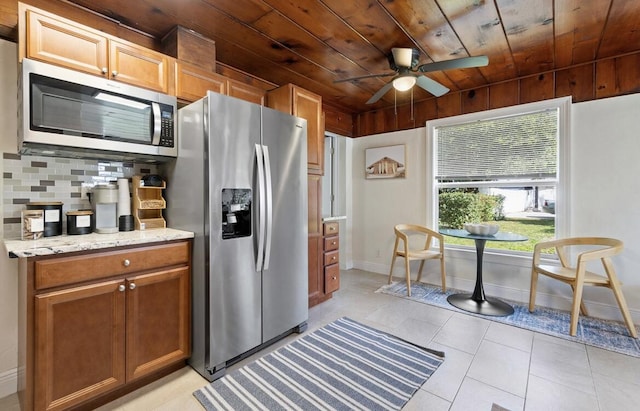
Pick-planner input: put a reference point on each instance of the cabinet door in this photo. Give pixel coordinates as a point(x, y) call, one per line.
point(63, 44)
point(158, 320)
point(139, 66)
point(79, 344)
point(309, 106)
point(193, 82)
point(302, 103)
point(331, 278)
point(245, 92)
point(316, 252)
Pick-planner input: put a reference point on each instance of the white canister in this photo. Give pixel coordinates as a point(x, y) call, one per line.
point(124, 198)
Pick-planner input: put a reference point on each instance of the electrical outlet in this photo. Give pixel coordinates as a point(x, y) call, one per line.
point(84, 189)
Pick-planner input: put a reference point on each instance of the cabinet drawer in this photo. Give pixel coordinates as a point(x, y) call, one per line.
point(331, 228)
point(331, 278)
point(68, 270)
point(332, 257)
point(331, 243)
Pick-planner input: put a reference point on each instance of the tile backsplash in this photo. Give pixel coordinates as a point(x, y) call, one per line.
point(36, 178)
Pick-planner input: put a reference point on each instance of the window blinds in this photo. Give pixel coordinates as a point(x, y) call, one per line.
point(518, 147)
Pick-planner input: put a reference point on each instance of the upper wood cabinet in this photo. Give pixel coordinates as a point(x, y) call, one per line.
point(245, 92)
point(303, 103)
point(139, 66)
point(62, 42)
point(192, 83)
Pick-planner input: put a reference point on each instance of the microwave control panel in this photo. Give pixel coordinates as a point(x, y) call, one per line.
point(166, 128)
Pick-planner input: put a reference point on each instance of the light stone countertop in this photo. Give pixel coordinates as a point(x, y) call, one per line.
point(70, 243)
point(327, 219)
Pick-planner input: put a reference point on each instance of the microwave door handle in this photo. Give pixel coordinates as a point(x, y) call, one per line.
point(157, 124)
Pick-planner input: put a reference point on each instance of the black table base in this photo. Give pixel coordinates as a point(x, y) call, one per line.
point(477, 302)
point(488, 306)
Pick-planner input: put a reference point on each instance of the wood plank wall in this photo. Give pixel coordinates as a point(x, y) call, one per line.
point(595, 80)
point(599, 79)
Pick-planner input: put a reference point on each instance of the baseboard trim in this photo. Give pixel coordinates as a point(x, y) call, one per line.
point(8, 382)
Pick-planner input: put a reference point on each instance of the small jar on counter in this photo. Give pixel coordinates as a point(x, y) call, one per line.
point(79, 222)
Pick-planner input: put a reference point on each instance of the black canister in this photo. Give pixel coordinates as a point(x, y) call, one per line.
point(52, 216)
point(79, 222)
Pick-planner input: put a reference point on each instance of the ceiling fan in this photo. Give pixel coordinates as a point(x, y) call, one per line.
point(407, 72)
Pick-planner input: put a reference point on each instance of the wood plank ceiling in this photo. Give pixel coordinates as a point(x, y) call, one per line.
point(312, 43)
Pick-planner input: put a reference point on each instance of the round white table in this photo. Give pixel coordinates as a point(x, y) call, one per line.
point(478, 302)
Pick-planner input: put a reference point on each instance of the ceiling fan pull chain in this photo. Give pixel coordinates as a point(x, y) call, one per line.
point(395, 102)
point(412, 119)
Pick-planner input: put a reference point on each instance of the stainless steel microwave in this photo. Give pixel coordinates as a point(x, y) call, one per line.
point(71, 114)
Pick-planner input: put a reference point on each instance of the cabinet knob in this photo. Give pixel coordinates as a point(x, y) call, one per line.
point(132, 286)
point(334, 277)
point(114, 73)
point(121, 287)
point(333, 258)
point(333, 243)
point(104, 70)
point(126, 263)
point(332, 228)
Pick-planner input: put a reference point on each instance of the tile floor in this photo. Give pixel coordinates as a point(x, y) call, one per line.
point(485, 362)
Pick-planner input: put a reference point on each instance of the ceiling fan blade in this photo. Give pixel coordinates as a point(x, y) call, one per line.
point(380, 93)
point(363, 77)
point(464, 62)
point(402, 56)
point(432, 86)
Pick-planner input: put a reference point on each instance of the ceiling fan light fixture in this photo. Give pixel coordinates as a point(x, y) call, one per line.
point(404, 83)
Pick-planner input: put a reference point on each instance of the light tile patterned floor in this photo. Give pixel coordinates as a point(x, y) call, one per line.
point(485, 363)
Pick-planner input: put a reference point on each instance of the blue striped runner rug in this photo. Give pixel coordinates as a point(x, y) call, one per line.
point(344, 365)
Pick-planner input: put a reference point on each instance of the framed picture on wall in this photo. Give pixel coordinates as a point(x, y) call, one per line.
point(385, 162)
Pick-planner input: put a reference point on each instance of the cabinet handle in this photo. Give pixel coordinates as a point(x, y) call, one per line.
point(114, 73)
point(126, 263)
point(104, 70)
point(132, 286)
point(121, 287)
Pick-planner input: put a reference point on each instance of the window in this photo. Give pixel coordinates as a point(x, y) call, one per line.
point(516, 156)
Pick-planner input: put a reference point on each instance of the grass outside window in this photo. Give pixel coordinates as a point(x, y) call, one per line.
point(536, 229)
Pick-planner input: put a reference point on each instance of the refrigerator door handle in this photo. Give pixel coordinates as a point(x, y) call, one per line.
point(262, 207)
point(269, 204)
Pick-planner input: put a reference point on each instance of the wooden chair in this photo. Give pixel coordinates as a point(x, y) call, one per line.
point(403, 233)
point(578, 276)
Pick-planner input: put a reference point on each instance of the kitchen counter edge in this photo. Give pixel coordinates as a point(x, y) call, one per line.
point(72, 243)
point(328, 219)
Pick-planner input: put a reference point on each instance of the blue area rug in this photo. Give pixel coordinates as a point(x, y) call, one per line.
point(609, 335)
point(344, 365)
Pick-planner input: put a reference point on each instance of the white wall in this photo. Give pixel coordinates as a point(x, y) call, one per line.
point(605, 167)
point(379, 204)
point(8, 268)
point(603, 193)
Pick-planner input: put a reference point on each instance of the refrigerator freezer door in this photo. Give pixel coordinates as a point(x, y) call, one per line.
point(235, 288)
point(285, 282)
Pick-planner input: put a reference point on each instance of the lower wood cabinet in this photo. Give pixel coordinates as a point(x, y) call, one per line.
point(331, 233)
point(101, 334)
point(325, 280)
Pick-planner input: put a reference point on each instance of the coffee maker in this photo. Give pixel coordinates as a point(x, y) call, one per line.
point(104, 202)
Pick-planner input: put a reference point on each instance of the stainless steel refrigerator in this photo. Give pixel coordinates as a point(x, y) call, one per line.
point(240, 184)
